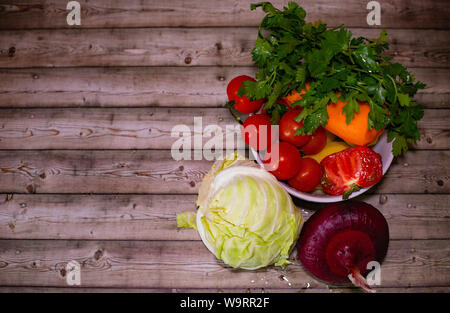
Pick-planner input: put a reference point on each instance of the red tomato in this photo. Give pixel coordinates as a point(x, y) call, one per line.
point(351, 169)
point(242, 104)
point(308, 177)
point(289, 160)
point(256, 131)
point(288, 127)
point(316, 143)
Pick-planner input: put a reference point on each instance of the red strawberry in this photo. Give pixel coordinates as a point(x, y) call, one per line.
point(349, 170)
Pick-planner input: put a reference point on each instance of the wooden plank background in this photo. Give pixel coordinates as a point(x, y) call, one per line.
point(85, 167)
point(21, 14)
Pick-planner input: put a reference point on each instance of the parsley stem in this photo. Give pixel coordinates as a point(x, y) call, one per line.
point(357, 89)
point(377, 77)
point(337, 27)
point(351, 58)
point(272, 77)
point(395, 87)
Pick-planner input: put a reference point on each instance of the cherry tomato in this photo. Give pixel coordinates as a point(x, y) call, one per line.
point(257, 131)
point(308, 177)
point(316, 143)
point(289, 160)
point(242, 104)
point(288, 127)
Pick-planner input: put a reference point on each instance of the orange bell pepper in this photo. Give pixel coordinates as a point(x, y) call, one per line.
point(357, 132)
point(294, 96)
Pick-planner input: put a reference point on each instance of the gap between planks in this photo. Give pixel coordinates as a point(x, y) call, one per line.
point(152, 217)
point(155, 86)
point(175, 264)
point(154, 171)
point(147, 128)
point(184, 47)
point(195, 13)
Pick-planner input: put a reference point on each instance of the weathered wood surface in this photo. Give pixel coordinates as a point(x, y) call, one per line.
point(143, 128)
point(155, 86)
point(185, 47)
point(175, 13)
point(159, 264)
point(154, 172)
point(153, 217)
point(148, 128)
point(114, 210)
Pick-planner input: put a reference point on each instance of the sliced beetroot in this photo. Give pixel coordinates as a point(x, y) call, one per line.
point(341, 239)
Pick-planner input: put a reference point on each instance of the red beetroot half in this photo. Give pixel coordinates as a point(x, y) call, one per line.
point(340, 239)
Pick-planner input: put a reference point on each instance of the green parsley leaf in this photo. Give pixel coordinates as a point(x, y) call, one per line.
point(403, 99)
point(400, 145)
point(350, 108)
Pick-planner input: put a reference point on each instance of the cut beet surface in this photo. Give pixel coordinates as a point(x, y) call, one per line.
point(341, 239)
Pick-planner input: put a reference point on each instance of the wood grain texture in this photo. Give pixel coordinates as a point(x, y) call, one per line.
point(142, 171)
point(184, 47)
point(153, 217)
point(148, 128)
point(155, 172)
point(155, 86)
point(153, 13)
point(183, 264)
point(433, 133)
point(119, 83)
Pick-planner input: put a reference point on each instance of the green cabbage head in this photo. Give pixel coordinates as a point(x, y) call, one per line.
point(245, 218)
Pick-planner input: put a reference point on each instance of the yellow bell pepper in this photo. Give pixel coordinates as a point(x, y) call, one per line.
point(330, 148)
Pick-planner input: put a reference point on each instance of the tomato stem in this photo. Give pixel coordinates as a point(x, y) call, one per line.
point(347, 193)
point(230, 107)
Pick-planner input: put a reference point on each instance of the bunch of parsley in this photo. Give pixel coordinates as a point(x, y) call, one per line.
point(289, 52)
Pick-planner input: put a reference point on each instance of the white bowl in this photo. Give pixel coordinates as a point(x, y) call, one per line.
point(383, 147)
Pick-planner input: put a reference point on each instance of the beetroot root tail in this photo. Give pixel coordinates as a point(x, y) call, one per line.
point(359, 281)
